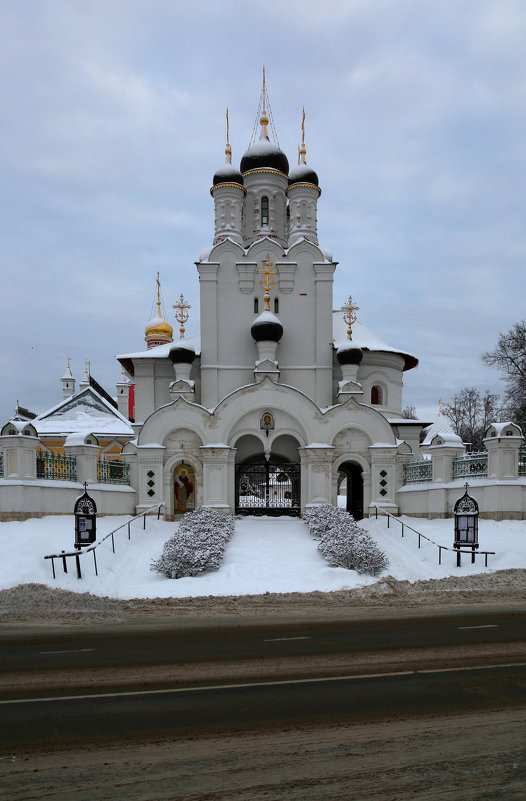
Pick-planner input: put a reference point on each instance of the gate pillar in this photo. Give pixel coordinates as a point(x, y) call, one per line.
point(316, 475)
point(219, 476)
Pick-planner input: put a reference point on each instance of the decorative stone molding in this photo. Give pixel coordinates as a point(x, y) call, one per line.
point(286, 272)
point(247, 271)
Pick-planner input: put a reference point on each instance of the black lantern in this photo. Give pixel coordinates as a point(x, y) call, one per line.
point(85, 511)
point(466, 524)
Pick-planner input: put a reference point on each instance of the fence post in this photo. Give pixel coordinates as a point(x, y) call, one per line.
point(112, 542)
point(144, 520)
point(77, 560)
point(129, 529)
point(439, 554)
point(419, 537)
point(95, 560)
point(64, 564)
point(402, 529)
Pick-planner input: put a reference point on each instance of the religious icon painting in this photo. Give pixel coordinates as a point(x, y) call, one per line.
point(184, 489)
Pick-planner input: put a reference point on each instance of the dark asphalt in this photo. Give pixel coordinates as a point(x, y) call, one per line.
point(156, 716)
point(149, 645)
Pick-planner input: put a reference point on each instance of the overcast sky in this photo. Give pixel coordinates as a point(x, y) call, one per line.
point(113, 123)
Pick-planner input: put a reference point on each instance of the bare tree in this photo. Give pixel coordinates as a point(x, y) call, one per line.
point(409, 413)
point(510, 357)
point(470, 413)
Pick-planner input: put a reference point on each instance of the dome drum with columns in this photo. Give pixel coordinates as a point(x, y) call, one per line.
point(279, 396)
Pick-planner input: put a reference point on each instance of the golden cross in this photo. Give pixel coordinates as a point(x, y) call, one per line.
point(267, 282)
point(181, 313)
point(349, 310)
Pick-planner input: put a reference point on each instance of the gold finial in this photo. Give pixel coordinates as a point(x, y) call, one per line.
point(158, 301)
point(228, 149)
point(349, 310)
point(264, 116)
point(69, 359)
point(181, 313)
point(87, 365)
point(267, 283)
point(302, 151)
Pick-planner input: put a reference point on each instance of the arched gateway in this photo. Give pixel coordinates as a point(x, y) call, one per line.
point(352, 479)
point(268, 484)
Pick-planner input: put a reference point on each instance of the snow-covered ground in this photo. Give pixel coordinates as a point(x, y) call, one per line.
point(265, 555)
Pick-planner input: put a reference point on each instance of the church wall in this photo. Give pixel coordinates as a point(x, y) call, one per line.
point(385, 369)
point(20, 501)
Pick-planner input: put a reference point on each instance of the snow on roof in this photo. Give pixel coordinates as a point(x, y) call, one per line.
point(162, 351)
point(365, 339)
point(442, 425)
point(499, 428)
point(86, 412)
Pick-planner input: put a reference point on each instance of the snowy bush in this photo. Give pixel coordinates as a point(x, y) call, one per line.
point(321, 518)
point(197, 546)
point(343, 543)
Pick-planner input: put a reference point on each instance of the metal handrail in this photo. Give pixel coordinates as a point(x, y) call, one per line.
point(91, 549)
point(441, 548)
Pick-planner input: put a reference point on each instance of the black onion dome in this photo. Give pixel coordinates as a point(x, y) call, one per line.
point(227, 174)
point(265, 155)
point(303, 174)
point(181, 353)
point(266, 327)
point(349, 354)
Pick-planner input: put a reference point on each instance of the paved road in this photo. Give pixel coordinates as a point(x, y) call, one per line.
point(38, 652)
point(311, 674)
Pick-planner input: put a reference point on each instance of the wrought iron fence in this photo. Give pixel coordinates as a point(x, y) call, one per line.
point(471, 465)
point(112, 471)
point(57, 467)
point(522, 462)
point(418, 472)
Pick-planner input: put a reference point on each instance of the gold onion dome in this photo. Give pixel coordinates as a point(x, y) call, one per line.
point(157, 327)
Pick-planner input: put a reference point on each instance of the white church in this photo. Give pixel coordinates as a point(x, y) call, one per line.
point(277, 404)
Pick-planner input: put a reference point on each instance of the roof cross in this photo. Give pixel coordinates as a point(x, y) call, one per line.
point(181, 313)
point(349, 310)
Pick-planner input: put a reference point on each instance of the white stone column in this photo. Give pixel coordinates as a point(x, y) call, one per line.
point(19, 456)
point(383, 478)
point(219, 477)
point(150, 460)
point(316, 475)
point(86, 462)
point(503, 443)
point(442, 455)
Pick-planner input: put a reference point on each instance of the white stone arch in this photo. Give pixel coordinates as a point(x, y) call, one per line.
point(359, 459)
point(242, 408)
point(259, 249)
point(178, 414)
point(304, 246)
point(224, 247)
point(362, 417)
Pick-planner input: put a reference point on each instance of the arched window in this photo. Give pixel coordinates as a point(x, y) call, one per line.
point(376, 395)
point(256, 305)
point(264, 211)
point(276, 305)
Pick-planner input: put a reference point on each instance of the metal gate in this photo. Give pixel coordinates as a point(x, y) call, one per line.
point(268, 489)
